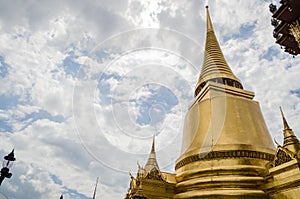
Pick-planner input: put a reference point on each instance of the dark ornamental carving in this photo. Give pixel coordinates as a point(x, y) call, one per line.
point(282, 157)
point(224, 155)
point(154, 174)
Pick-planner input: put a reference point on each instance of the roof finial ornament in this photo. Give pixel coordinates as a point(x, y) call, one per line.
point(131, 176)
point(278, 145)
point(138, 164)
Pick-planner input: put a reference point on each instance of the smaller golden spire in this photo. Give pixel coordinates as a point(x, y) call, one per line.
point(285, 124)
point(152, 162)
point(290, 142)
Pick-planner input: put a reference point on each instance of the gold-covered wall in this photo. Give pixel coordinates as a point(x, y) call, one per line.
point(224, 115)
point(283, 181)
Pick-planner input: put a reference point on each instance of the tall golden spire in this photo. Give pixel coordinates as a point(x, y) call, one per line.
point(290, 142)
point(226, 143)
point(214, 66)
point(152, 162)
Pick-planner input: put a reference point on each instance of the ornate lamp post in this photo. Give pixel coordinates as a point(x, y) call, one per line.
point(7, 164)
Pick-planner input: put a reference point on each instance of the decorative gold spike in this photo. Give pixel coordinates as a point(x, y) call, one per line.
point(285, 124)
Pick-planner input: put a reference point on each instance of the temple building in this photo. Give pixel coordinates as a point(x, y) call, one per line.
point(150, 182)
point(227, 150)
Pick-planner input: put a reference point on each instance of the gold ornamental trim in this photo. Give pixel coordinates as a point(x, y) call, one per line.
point(295, 30)
point(213, 155)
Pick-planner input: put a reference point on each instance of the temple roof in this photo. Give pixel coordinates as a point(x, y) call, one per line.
point(214, 65)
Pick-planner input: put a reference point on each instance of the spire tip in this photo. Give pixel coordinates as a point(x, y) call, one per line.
point(285, 124)
point(153, 143)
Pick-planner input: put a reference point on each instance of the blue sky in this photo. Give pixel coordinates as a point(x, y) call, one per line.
point(84, 85)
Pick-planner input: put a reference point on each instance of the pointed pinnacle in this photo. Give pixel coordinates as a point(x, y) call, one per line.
point(214, 65)
point(152, 162)
point(153, 144)
point(209, 26)
point(285, 124)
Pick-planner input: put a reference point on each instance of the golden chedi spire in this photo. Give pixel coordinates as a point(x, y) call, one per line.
point(152, 162)
point(151, 169)
point(226, 143)
point(215, 67)
point(290, 142)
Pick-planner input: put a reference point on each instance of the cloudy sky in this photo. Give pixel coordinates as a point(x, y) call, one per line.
point(84, 85)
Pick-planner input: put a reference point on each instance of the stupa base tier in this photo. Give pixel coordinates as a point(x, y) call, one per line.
point(232, 178)
point(223, 194)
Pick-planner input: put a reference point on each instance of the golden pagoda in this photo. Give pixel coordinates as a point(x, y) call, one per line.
point(226, 143)
point(227, 151)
